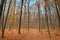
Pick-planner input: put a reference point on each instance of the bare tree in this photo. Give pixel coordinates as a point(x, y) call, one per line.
point(58, 14)
point(20, 17)
point(3, 28)
point(2, 17)
point(28, 13)
point(24, 9)
point(46, 16)
point(38, 4)
point(2, 10)
point(1, 7)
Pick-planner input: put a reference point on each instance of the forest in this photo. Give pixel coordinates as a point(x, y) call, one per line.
point(29, 19)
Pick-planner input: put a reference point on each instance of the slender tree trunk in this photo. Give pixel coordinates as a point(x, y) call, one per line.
point(46, 16)
point(28, 14)
point(38, 4)
point(50, 15)
point(3, 15)
point(20, 17)
point(1, 7)
point(39, 16)
point(3, 12)
point(3, 28)
point(24, 11)
point(58, 15)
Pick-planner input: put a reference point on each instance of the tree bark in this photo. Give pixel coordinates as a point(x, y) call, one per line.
point(46, 16)
point(58, 15)
point(20, 18)
point(28, 14)
point(3, 28)
point(1, 7)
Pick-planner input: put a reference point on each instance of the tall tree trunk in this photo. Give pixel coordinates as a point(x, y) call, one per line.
point(28, 13)
point(38, 4)
point(39, 15)
point(24, 11)
point(50, 15)
point(1, 7)
point(20, 17)
point(3, 28)
point(3, 12)
point(58, 15)
point(46, 16)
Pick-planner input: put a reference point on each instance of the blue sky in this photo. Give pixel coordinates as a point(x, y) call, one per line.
point(31, 2)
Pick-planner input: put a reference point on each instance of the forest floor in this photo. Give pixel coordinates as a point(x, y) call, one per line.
point(33, 34)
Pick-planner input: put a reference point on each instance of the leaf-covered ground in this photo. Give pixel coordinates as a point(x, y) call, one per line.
point(33, 34)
